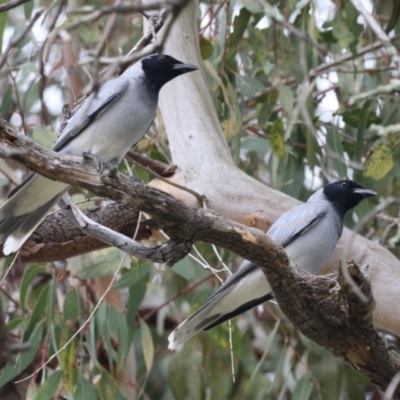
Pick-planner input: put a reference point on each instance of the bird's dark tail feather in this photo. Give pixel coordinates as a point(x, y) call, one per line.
point(245, 307)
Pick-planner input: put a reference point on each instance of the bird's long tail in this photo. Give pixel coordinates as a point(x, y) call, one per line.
point(245, 289)
point(26, 209)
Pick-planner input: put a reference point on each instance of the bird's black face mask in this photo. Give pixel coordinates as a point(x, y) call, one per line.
point(161, 69)
point(346, 194)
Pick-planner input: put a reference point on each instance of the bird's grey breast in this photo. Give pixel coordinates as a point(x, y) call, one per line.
point(118, 127)
point(311, 250)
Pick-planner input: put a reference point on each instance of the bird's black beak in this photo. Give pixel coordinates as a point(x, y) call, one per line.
point(184, 68)
point(365, 193)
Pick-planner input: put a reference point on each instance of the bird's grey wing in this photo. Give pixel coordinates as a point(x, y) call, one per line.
point(92, 108)
point(296, 222)
point(94, 105)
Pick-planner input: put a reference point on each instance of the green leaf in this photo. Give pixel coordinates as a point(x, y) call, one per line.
point(84, 389)
point(30, 274)
point(286, 97)
point(206, 48)
point(346, 29)
point(105, 263)
point(136, 296)
point(72, 306)
point(11, 370)
point(258, 145)
point(38, 311)
point(253, 6)
point(313, 149)
point(303, 388)
point(394, 16)
point(28, 8)
point(118, 328)
point(249, 86)
point(106, 388)
point(276, 135)
point(268, 343)
point(49, 388)
point(134, 275)
point(335, 146)
point(147, 345)
point(14, 323)
point(186, 268)
point(379, 163)
point(67, 359)
point(239, 27)
point(354, 116)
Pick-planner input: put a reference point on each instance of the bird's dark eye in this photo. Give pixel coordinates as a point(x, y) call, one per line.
point(345, 183)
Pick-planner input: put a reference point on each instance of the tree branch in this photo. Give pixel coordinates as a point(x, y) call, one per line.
point(329, 314)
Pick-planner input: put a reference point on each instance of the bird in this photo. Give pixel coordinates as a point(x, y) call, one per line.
point(109, 122)
point(308, 233)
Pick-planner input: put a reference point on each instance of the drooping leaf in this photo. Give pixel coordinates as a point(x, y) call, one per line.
point(394, 16)
point(14, 368)
point(258, 145)
point(84, 389)
point(303, 388)
point(346, 29)
point(147, 345)
point(354, 116)
point(276, 137)
point(206, 48)
point(239, 26)
point(380, 163)
point(286, 97)
point(268, 343)
point(30, 274)
point(48, 390)
point(106, 387)
point(336, 151)
point(72, 306)
point(134, 275)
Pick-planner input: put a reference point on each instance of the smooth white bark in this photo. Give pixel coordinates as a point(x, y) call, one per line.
point(205, 165)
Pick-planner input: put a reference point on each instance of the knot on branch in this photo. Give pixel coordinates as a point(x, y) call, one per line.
point(357, 289)
point(171, 252)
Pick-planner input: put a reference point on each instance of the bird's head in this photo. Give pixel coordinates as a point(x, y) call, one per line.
point(160, 69)
point(346, 194)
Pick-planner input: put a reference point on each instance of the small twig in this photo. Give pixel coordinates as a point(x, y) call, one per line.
point(343, 58)
point(14, 41)
point(382, 35)
point(157, 167)
point(175, 296)
point(42, 83)
point(200, 198)
point(12, 4)
point(386, 232)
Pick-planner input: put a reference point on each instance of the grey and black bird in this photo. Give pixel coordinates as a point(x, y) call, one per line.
point(309, 234)
point(107, 125)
